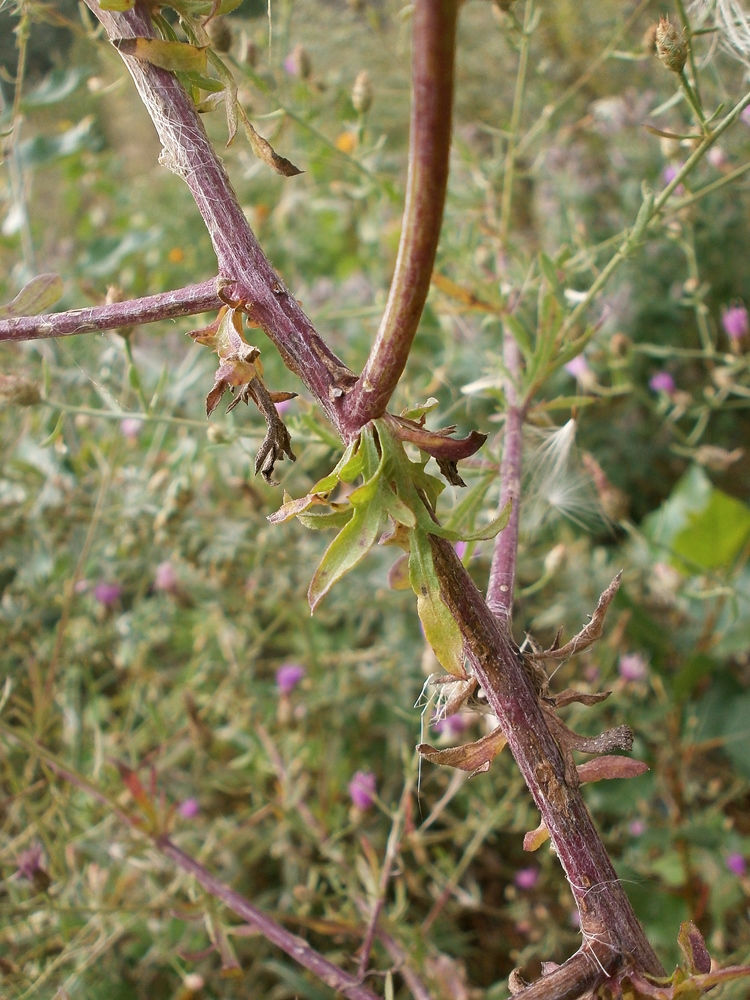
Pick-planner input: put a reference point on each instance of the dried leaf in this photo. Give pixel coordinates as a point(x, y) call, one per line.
point(178, 57)
point(35, 297)
point(603, 768)
point(291, 508)
point(589, 633)
point(473, 757)
point(438, 443)
point(398, 574)
point(463, 295)
point(265, 152)
point(568, 696)
point(619, 738)
point(535, 838)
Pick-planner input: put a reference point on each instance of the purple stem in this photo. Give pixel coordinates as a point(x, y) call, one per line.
point(433, 56)
point(503, 569)
point(251, 279)
point(167, 305)
point(607, 917)
point(292, 945)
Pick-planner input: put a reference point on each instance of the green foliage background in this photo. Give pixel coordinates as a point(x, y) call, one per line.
point(180, 682)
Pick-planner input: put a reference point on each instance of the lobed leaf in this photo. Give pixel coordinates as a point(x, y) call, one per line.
point(177, 57)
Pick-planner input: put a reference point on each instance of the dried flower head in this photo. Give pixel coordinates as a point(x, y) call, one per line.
point(671, 48)
point(298, 62)
point(220, 33)
point(362, 93)
point(18, 391)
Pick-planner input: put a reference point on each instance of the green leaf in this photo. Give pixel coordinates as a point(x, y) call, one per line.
point(202, 82)
point(703, 527)
point(44, 149)
point(347, 549)
point(440, 628)
point(174, 56)
point(549, 271)
point(325, 519)
point(515, 328)
point(55, 87)
point(119, 6)
point(35, 297)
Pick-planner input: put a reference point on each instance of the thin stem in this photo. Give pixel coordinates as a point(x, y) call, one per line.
point(688, 32)
point(433, 55)
point(593, 67)
point(502, 579)
point(695, 103)
point(296, 947)
point(631, 240)
point(515, 121)
point(166, 305)
point(292, 945)
point(247, 275)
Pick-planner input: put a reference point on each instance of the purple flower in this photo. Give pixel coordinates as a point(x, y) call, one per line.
point(29, 862)
point(131, 428)
point(632, 667)
point(460, 548)
point(288, 677)
point(283, 406)
point(362, 789)
point(662, 382)
point(453, 725)
point(745, 115)
point(165, 577)
point(526, 878)
point(107, 593)
point(735, 322)
point(189, 808)
point(669, 173)
point(736, 864)
point(637, 827)
point(578, 368)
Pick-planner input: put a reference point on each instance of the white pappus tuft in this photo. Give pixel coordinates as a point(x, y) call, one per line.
point(732, 18)
point(558, 486)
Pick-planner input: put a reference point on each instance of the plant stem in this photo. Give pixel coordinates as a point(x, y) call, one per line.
point(166, 305)
point(433, 54)
point(247, 275)
point(502, 579)
point(506, 199)
point(610, 928)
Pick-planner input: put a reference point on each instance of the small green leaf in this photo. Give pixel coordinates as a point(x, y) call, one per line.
point(549, 271)
point(348, 548)
point(325, 519)
point(119, 6)
point(520, 334)
point(440, 628)
point(178, 57)
point(35, 297)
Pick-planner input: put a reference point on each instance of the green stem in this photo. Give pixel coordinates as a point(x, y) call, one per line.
point(515, 121)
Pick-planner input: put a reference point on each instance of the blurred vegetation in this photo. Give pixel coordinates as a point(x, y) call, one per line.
point(171, 668)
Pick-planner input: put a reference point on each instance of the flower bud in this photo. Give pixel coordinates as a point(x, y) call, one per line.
point(362, 93)
point(671, 48)
point(220, 34)
point(298, 62)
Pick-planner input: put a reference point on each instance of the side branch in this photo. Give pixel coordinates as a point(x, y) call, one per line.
point(135, 312)
point(433, 48)
point(503, 569)
point(245, 271)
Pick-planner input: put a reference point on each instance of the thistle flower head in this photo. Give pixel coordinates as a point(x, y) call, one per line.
point(362, 789)
point(735, 322)
point(288, 677)
point(671, 49)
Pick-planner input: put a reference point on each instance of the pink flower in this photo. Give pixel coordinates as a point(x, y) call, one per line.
point(452, 725)
point(189, 808)
point(736, 864)
point(637, 827)
point(362, 789)
point(578, 368)
point(735, 322)
point(526, 878)
point(165, 577)
point(283, 406)
point(107, 593)
point(131, 428)
point(669, 173)
point(632, 667)
point(745, 115)
point(29, 862)
point(662, 382)
point(288, 677)
point(460, 548)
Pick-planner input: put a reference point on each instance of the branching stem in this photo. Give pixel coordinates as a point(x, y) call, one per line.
point(433, 55)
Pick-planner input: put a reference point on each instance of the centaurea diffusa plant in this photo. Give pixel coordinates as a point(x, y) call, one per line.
point(543, 331)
